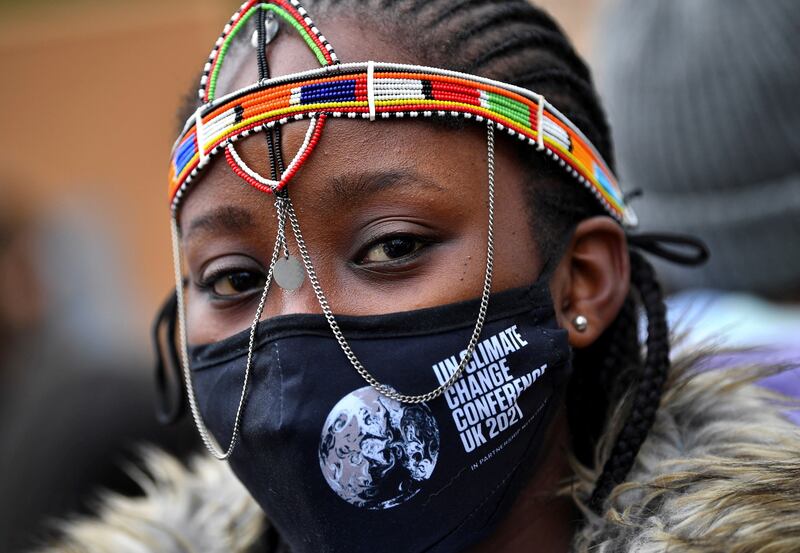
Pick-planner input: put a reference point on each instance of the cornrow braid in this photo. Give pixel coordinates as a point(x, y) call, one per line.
point(514, 41)
point(512, 13)
point(647, 396)
point(602, 373)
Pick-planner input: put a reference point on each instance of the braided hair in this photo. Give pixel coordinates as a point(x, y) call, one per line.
point(518, 43)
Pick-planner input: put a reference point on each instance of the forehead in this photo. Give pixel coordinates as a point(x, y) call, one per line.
point(444, 166)
point(347, 148)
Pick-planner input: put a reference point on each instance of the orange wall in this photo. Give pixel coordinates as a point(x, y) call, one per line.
point(88, 111)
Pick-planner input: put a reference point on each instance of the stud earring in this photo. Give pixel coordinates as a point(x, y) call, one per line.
point(580, 323)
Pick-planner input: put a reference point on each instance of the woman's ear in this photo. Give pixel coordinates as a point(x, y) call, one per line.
point(592, 280)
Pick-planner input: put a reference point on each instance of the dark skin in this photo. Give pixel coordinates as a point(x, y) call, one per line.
point(395, 217)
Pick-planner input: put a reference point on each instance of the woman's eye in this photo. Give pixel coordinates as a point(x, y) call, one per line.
point(392, 249)
point(236, 283)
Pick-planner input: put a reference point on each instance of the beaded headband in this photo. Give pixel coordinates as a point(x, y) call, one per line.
point(368, 90)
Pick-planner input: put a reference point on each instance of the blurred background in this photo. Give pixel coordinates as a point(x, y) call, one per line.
point(88, 118)
point(87, 112)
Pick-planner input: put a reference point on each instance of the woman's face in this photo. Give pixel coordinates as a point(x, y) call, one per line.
point(394, 213)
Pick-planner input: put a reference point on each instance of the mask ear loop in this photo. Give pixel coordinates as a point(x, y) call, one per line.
point(170, 402)
point(680, 249)
point(484, 303)
point(205, 435)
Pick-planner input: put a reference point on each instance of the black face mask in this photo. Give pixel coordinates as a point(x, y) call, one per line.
point(337, 466)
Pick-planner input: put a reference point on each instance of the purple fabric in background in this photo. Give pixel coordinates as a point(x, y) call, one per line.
point(786, 382)
point(768, 332)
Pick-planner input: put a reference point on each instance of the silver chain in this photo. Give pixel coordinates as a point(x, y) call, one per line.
point(284, 207)
point(473, 341)
point(208, 441)
point(280, 208)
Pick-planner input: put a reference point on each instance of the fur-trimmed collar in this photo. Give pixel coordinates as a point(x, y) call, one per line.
point(719, 472)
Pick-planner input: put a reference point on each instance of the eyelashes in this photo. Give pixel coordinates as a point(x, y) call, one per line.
point(236, 283)
point(236, 279)
point(391, 249)
point(232, 277)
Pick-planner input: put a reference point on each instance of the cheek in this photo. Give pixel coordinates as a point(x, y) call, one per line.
point(516, 260)
point(454, 270)
point(205, 324)
point(201, 327)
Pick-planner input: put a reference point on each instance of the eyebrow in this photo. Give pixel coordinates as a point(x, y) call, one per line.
point(223, 218)
point(348, 188)
point(341, 189)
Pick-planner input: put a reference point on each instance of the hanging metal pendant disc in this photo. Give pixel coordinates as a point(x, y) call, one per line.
point(289, 273)
point(271, 28)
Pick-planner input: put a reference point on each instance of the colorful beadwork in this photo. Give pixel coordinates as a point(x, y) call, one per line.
point(372, 90)
point(268, 185)
point(291, 12)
